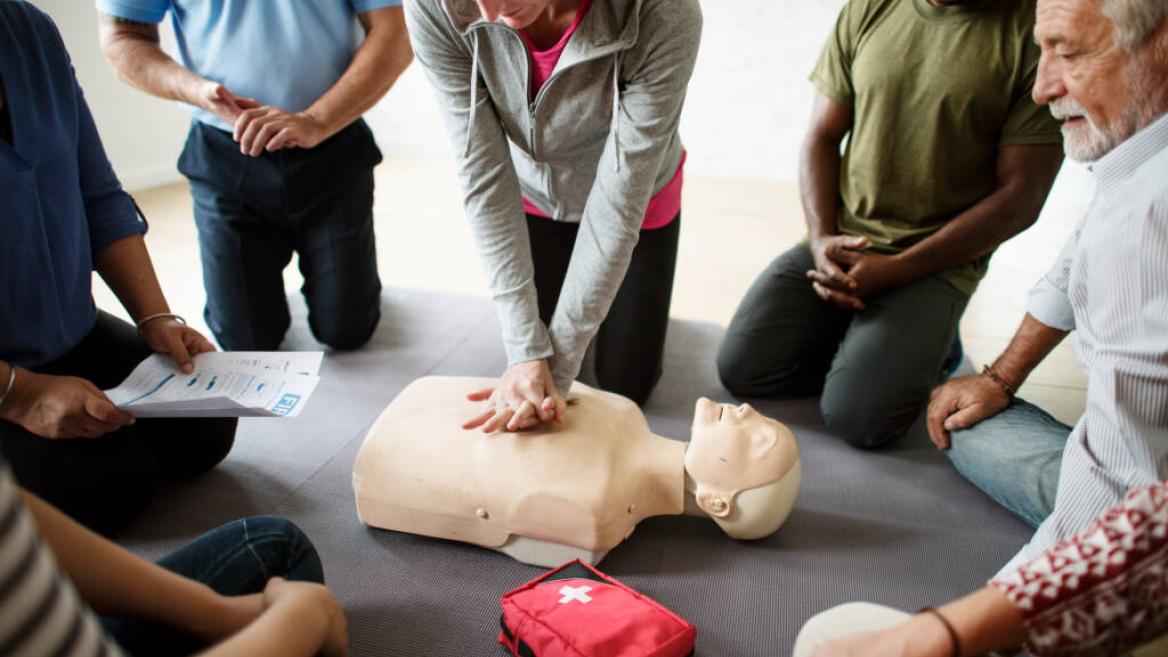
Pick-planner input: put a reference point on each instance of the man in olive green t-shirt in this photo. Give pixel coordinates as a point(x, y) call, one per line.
point(947, 156)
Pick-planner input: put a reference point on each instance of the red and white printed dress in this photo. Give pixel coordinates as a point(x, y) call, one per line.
point(1103, 591)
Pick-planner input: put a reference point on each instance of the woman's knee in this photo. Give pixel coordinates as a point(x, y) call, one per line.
point(200, 444)
point(284, 549)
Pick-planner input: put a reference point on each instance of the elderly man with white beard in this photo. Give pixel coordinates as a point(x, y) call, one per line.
point(1093, 580)
point(1103, 72)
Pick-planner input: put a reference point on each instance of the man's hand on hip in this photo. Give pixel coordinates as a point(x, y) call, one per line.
point(962, 403)
point(270, 128)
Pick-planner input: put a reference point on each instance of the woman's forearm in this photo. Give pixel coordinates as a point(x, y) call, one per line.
point(294, 628)
point(116, 582)
point(126, 267)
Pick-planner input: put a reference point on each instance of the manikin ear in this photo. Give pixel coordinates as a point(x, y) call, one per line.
point(713, 504)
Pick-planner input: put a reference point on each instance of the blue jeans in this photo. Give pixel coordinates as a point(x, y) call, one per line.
point(1014, 457)
point(234, 559)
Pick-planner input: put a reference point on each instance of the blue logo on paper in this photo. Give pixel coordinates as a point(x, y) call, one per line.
point(286, 404)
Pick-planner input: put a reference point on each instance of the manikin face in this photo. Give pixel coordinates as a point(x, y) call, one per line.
point(517, 14)
point(1102, 94)
point(734, 448)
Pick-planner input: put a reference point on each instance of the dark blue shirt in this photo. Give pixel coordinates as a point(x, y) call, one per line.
point(60, 202)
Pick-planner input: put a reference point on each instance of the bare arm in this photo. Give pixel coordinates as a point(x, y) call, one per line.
point(126, 267)
point(133, 50)
point(1025, 175)
point(376, 66)
point(289, 618)
point(379, 61)
point(962, 403)
point(984, 621)
point(819, 180)
point(819, 165)
point(118, 583)
point(1030, 345)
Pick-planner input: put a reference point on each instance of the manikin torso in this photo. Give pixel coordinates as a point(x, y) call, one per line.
point(562, 491)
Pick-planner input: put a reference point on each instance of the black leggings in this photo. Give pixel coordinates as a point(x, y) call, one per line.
point(104, 482)
point(629, 347)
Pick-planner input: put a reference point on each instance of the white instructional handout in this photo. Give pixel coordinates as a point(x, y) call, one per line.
point(223, 384)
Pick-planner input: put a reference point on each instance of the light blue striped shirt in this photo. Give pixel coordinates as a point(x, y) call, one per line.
point(1110, 285)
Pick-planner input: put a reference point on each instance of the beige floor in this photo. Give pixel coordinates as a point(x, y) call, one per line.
point(731, 230)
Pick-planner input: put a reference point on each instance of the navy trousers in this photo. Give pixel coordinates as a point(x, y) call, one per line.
point(253, 213)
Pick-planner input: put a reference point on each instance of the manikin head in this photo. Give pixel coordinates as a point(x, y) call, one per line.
point(1102, 69)
point(744, 468)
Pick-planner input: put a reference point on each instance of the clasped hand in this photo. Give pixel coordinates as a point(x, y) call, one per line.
point(845, 274)
point(525, 397)
point(259, 127)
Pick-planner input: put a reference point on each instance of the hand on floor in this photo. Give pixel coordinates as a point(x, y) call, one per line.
point(525, 397)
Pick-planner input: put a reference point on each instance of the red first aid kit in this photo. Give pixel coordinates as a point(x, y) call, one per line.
point(578, 611)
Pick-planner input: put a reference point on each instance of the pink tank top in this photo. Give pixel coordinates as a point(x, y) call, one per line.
point(665, 204)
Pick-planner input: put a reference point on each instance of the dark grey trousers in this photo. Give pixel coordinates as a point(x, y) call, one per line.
point(874, 368)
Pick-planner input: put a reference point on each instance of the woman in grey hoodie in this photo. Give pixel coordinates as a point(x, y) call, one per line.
point(565, 115)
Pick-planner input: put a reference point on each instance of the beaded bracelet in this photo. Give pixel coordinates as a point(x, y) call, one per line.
point(989, 371)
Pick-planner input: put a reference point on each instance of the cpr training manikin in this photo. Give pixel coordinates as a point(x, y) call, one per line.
point(567, 490)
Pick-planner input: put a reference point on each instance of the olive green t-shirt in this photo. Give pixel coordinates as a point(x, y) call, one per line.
point(935, 92)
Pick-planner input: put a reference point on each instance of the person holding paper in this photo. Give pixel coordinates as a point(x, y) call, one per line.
point(65, 216)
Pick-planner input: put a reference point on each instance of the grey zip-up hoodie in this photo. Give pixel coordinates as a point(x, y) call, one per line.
point(598, 141)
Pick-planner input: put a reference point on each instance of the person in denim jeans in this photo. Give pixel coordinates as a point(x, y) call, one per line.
point(250, 587)
point(1107, 285)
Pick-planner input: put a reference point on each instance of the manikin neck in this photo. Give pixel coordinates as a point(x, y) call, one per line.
point(691, 501)
point(665, 473)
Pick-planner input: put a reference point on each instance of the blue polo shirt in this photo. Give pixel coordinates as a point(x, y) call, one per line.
point(285, 53)
point(60, 202)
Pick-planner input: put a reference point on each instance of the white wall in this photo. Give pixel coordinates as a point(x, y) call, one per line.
point(747, 107)
point(142, 135)
point(748, 104)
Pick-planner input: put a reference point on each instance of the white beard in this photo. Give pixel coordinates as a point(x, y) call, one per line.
point(1086, 141)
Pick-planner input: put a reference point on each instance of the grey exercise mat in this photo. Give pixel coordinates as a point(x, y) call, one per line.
point(896, 526)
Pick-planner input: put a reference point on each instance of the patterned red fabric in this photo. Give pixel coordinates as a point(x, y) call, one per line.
point(1103, 591)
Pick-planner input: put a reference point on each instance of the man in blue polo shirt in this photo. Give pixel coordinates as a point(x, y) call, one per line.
point(278, 157)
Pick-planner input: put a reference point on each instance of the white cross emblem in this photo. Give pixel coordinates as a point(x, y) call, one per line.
point(571, 593)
